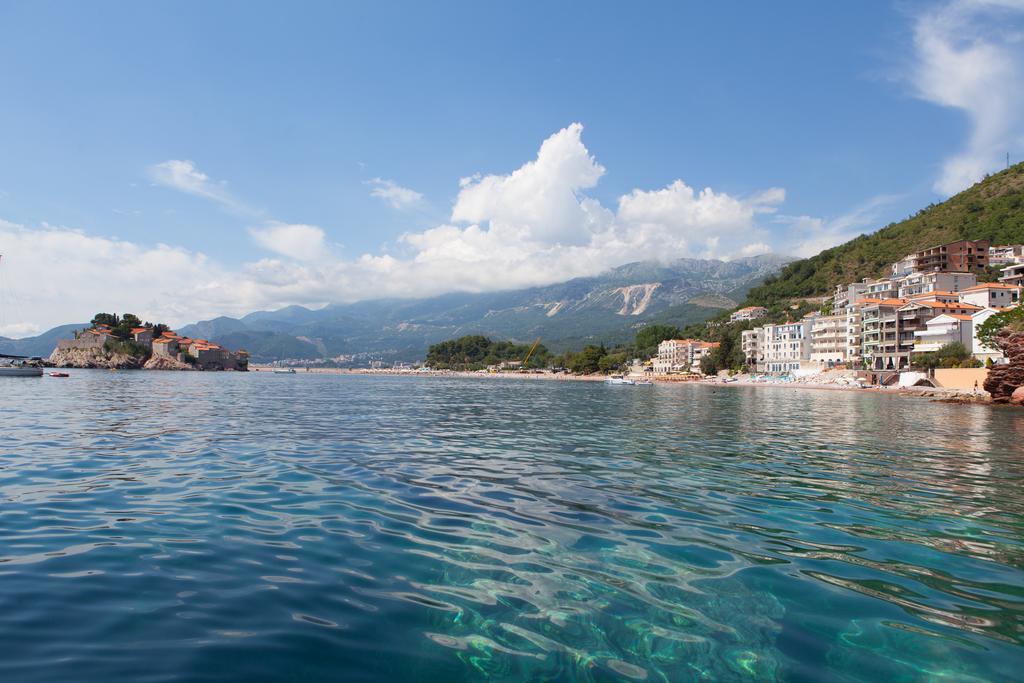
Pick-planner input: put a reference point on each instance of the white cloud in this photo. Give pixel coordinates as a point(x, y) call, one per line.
point(183, 175)
point(970, 56)
point(394, 194)
point(533, 226)
point(542, 198)
point(809, 235)
point(297, 241)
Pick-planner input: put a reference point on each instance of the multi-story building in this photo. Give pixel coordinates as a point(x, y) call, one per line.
point(681, 355)
point(881, 289)
point(923, 283)
point(947, 328)
point(748, 313)
point(752, 344)
point(829, 339)
point(1006, 254)
point(962, 256)
point(785, 345)
point(914, 318)
point(847, 295)
point(1013, 275)
point(991, 295)
point(979, 350)
point(940, 296)
point(880, 347)
point(905, 266)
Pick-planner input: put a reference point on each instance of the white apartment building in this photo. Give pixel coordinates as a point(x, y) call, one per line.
point(847, 295)
point(1013, 275)
point(1006, 254)
point(673, 356)
point(905, 266)
point(748, 313)
point(681, 355)
point(979, 350)
point(786, 345)
point(923, 283)
point(829, 339)
point(991, 295)
point(944, 329)
point(881, 289)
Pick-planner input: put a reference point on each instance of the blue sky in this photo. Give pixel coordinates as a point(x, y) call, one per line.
point(313, 153)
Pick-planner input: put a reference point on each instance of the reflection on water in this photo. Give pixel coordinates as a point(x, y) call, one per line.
point(225, 527)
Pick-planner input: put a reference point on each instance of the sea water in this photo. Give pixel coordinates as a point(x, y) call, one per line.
point(231, 526)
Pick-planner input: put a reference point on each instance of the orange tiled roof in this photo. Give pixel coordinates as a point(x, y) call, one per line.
point(959, 316)
point(164, 340)
point(990, 285)
point(136, 330)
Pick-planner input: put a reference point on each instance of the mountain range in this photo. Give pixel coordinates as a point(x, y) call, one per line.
point(606, 308)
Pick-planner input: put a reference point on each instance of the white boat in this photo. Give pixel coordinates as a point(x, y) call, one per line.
point(284, 371)
point(618, 379)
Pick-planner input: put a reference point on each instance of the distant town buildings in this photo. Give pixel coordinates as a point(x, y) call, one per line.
point(931, 298)
point(1006, 255)
point(748, 313)
point(681, 355)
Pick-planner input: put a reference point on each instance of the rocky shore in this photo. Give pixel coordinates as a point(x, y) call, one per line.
point(93, 358)
point(1005, 383)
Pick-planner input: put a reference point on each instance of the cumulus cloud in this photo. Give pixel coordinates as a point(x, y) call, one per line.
point(394, 194)
point(541, 198)
point(969, 55)
point(297, 241)
point(532, 226)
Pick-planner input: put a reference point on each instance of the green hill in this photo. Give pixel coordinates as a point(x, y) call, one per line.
point(992, 209)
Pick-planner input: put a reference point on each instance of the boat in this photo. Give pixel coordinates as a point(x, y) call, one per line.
point(284, 371)
point(618, 379)
point(59, 374)
point(644, 383)
point(19, 366)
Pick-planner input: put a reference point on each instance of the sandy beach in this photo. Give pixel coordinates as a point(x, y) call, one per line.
point(959, 395)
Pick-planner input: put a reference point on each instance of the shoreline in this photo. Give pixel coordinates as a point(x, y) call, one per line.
point(935, 393)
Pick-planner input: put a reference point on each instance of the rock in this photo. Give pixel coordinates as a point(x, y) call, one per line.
point(1004, 380)
point(93, 358)
point(165, 363)
point(1017, 397)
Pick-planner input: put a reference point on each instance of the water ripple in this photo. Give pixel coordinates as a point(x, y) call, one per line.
point(162, 526)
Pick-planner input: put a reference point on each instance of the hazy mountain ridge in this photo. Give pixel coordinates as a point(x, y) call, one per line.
point(606, 307)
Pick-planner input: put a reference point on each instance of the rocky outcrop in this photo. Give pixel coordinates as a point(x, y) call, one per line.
point(165, 363)
point(1004, 380)
point(93, 358)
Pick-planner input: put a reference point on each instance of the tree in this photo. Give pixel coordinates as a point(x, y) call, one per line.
point(109, 319)
point(987, 331)
point(648, 338)
point(588, 360)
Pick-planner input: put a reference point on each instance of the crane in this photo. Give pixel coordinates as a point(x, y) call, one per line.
point(530, 353)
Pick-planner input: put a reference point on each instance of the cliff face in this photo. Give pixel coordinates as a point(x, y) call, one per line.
point(165, 363)
point(93, 358)
point(1004, 380)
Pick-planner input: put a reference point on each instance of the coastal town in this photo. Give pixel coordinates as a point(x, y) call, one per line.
point(878, 331)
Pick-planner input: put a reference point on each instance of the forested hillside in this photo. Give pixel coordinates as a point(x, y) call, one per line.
point(992, 209)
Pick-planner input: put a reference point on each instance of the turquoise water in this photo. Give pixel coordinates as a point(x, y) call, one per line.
point(215, 527)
